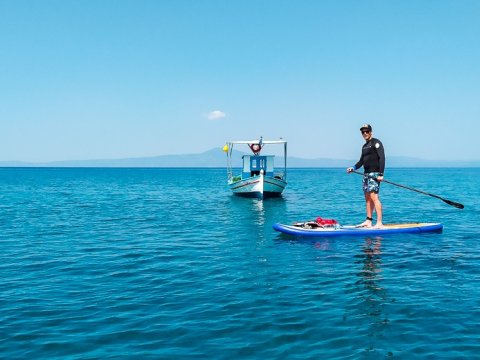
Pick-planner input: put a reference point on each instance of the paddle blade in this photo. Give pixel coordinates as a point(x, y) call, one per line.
point(453, 203)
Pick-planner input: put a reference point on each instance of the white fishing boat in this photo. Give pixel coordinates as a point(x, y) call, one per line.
point(258, 176)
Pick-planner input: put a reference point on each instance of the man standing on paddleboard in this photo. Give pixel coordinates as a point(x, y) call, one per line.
point(373, 162)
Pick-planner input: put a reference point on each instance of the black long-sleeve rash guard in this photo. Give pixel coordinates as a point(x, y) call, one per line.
point(373, 157)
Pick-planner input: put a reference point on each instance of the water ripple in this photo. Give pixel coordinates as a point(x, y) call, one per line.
point(165, 263)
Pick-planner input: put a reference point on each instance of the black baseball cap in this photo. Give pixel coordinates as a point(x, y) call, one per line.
point(366, 127)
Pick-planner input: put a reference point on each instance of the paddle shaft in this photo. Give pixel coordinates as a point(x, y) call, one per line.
point(449, 202)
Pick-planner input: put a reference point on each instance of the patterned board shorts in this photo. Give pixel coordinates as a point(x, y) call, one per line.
point(370, 183)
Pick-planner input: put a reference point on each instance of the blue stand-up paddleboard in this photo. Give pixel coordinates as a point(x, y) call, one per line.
point(311, 229)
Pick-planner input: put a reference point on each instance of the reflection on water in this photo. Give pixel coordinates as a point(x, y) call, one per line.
point(371, 265)
point(248, 209)
point(259, 210)
point(256, 215)
point(370, 296)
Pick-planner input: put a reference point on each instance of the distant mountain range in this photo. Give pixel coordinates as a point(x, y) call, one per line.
point(215, 158)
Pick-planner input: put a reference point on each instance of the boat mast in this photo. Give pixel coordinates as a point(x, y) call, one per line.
point(229, 160)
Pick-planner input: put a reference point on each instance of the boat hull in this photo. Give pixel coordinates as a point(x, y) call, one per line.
point(259, 186)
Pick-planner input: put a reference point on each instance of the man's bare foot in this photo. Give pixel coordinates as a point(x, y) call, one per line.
point(366, 223)
point(378, 226)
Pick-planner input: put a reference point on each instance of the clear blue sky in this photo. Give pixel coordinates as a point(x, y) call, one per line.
point(112, 79)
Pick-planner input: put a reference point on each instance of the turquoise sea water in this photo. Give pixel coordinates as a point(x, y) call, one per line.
point(167, 264)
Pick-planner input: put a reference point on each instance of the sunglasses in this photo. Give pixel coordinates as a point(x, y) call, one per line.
point(365, 132)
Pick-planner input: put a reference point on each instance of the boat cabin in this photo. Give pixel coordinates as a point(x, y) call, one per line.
point(253, 164)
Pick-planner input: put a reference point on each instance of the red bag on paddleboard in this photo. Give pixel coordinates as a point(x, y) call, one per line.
point(326, 222)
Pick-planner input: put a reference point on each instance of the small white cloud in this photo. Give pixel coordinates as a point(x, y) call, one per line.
point(216, 115)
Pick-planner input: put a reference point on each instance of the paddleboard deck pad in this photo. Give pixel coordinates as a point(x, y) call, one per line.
point(309, 229)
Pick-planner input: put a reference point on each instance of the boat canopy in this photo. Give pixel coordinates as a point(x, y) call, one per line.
point(257, 141)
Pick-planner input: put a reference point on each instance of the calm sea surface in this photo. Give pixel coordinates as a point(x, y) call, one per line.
point(167, 264)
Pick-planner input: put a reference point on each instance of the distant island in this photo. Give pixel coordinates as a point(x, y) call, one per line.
point(216, 158)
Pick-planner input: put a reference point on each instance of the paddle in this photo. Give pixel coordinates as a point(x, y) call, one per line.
point(449, 202)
